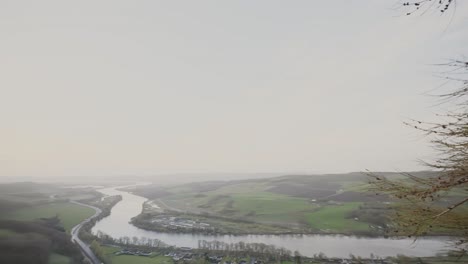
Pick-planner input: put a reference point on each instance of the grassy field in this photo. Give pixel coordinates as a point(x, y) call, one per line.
point(36, 193)
point(6, 233)
point(333, 217)
point(35, 242)
point(299, 202)
point(125, 259)
point(256, 206)
point(303, 203)
point(58, 259)
point(269, 207)
point(70, 214)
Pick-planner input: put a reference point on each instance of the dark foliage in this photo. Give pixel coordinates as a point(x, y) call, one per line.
point(25, 249)
point(35, 241)
point(8, 206)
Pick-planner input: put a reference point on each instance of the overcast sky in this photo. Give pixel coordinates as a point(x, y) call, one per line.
point(147, 87)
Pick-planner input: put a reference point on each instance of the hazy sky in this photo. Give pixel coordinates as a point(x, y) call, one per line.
point(143, 87)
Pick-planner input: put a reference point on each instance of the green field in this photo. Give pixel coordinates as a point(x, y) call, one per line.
point(333, 218)
point(270, 207)
point(258, 206)
point(298, 202)
point(7, 233)
point(301, 203)
point(58, 259)
point(125, 259)
point(70, 214)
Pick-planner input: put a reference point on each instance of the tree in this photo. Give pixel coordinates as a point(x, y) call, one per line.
point(437, 203)
point(297, 257)
point(426, 5)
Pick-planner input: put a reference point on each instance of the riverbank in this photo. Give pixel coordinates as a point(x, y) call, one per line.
point(85, 249)
point(117, 226)
point(104, 206)
point(177, 222)
point(329, 204)
point(302, 204)
point(158, 216)
point(174, 222)
point(259, 254)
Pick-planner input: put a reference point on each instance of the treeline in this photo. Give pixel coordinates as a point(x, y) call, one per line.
point(141, 242)
point(271, 254)
point(25, 248)
point(32, 242)
point(251, 249)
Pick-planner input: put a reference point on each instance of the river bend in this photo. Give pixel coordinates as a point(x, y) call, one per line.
point(117, 225)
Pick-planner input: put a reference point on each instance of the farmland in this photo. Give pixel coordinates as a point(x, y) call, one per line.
point(70, 214)
point(123, 259)
point(28, 201)
point(34, 221)
point(58, 259)
point(336, 218)
point(289, 204)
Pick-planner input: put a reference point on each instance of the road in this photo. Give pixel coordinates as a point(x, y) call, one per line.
point(76, 230)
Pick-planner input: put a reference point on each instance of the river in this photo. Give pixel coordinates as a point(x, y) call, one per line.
point(117, 225)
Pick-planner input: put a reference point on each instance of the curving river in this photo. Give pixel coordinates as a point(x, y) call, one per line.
point(117, 225)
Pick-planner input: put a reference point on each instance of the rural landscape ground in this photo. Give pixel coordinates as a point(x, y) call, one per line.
point(328, 204)
point(294, 204)
point(234, 132)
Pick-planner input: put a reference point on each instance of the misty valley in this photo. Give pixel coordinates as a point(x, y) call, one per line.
point(233, 132)
point(315, 218)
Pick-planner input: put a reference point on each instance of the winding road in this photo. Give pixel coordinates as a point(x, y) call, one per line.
point(76, 230)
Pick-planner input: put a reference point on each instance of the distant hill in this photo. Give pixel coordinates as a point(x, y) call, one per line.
point(307, 186)
point(324, 203)
point(25, 187)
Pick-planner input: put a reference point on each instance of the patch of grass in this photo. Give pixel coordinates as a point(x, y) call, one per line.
point(7, 233)
point(125, 259)
point(70, 214)
point(333, 217)
point(55, 258)
point(357, 187)
point(109, 250)
point(265, 211)
point(292, 201)
point(257, 206)
point(240, 188)
point(272, 207)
